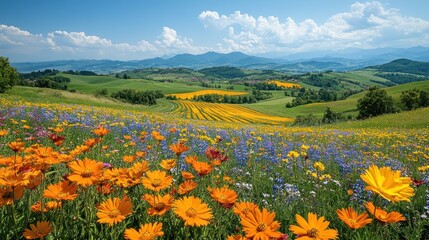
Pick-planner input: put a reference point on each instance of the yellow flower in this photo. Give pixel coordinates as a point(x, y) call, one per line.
point(319, 166)
point(388, 184)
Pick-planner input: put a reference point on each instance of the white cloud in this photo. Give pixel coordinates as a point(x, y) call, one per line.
point(365, 25)
point(20, 45)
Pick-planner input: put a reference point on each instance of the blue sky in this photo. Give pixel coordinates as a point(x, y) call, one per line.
point(128, 30)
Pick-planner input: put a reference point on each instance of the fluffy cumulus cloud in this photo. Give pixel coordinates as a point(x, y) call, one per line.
point(21, 45)
point(365, 25)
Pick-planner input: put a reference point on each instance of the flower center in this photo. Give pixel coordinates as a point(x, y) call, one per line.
point(156, 182)
point(8, 195)
point(352, 221)
point(114, 213)
point(87, 173)
point(191, 212)
point(146, 235)
point(61, 194)
point(261, 227)
point(222, 196)
point(160, 206)
point(313, 233)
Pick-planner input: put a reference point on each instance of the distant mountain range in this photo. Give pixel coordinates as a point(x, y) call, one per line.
point(306, 62)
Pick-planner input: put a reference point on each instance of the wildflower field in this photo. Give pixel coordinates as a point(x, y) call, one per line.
point(76, 172)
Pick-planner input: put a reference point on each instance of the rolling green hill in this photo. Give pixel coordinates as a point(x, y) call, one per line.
point(404, 66)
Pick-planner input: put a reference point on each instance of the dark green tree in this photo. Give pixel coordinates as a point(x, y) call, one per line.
point(374, 103)
point(330, 116)
point(424, 98)
point(8, 75)
point(410, 99)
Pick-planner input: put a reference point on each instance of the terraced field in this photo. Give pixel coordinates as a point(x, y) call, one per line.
point(225, 112)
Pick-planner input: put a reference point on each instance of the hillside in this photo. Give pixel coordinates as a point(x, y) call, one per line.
point(404, 66)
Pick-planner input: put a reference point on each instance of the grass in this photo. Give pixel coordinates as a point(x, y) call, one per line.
point(46, 95)
point(409, 120)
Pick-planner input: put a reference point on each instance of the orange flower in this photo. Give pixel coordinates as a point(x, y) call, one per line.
point(157, 180)
point(191, 159)
point(224, 196)
point(114, 210)
point(187, 175)
point(313, 229)
point(3, 132)
point(47, 206)
point(92, 142)
point(16, 146)
point(79, 150)
point(101, 131)
point(193, 211)
point(350, 217)
point(85, 172)
point(260, 225)
point(61, 191)
point(141, 154)
point(202, 168)
point(129, 159)
point(39, 230)
point(236, 237)
point(178, 148)
point(157, 136)
point(159, 204)
point(139, 168)
point(168, 164)
point(147, 231)
point(8, 195)
point(104, 188)
point(186, 187)
point(56, 139)
point(242, 208)
point(384, 216)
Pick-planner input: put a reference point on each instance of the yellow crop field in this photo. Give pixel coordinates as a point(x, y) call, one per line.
point(285, 84)
point(190, 95)
point(225, 112)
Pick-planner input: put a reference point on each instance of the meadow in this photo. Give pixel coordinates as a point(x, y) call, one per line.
point(91, 172)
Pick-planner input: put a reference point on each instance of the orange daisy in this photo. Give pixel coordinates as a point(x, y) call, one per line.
point(157, 136)
point(92, 142)
point(39, 230)
point(129, 159)
point(159, 204)
point(178, 148)
point(47, 206)
point(85, 172)
point(260, 225)
point(168, 164)
point(202, 168)
point(114, 210)
point(242, 208)
point(101, 131)
point(16, 146)
point(147, 231)
point(8, 195)
point(193, 211)
point(141, 154)
point(61, 191)
point(315, 228)
point(224, 196)
point(157, 180)
point(384, 216)
point(350, 217)
point(191, 159)
point(187, 175)
point(186, 187)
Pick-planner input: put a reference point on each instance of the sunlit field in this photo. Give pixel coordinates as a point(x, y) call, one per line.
point(190, 95)
point(225, 113)
point(79, 172)
point(285, 84)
